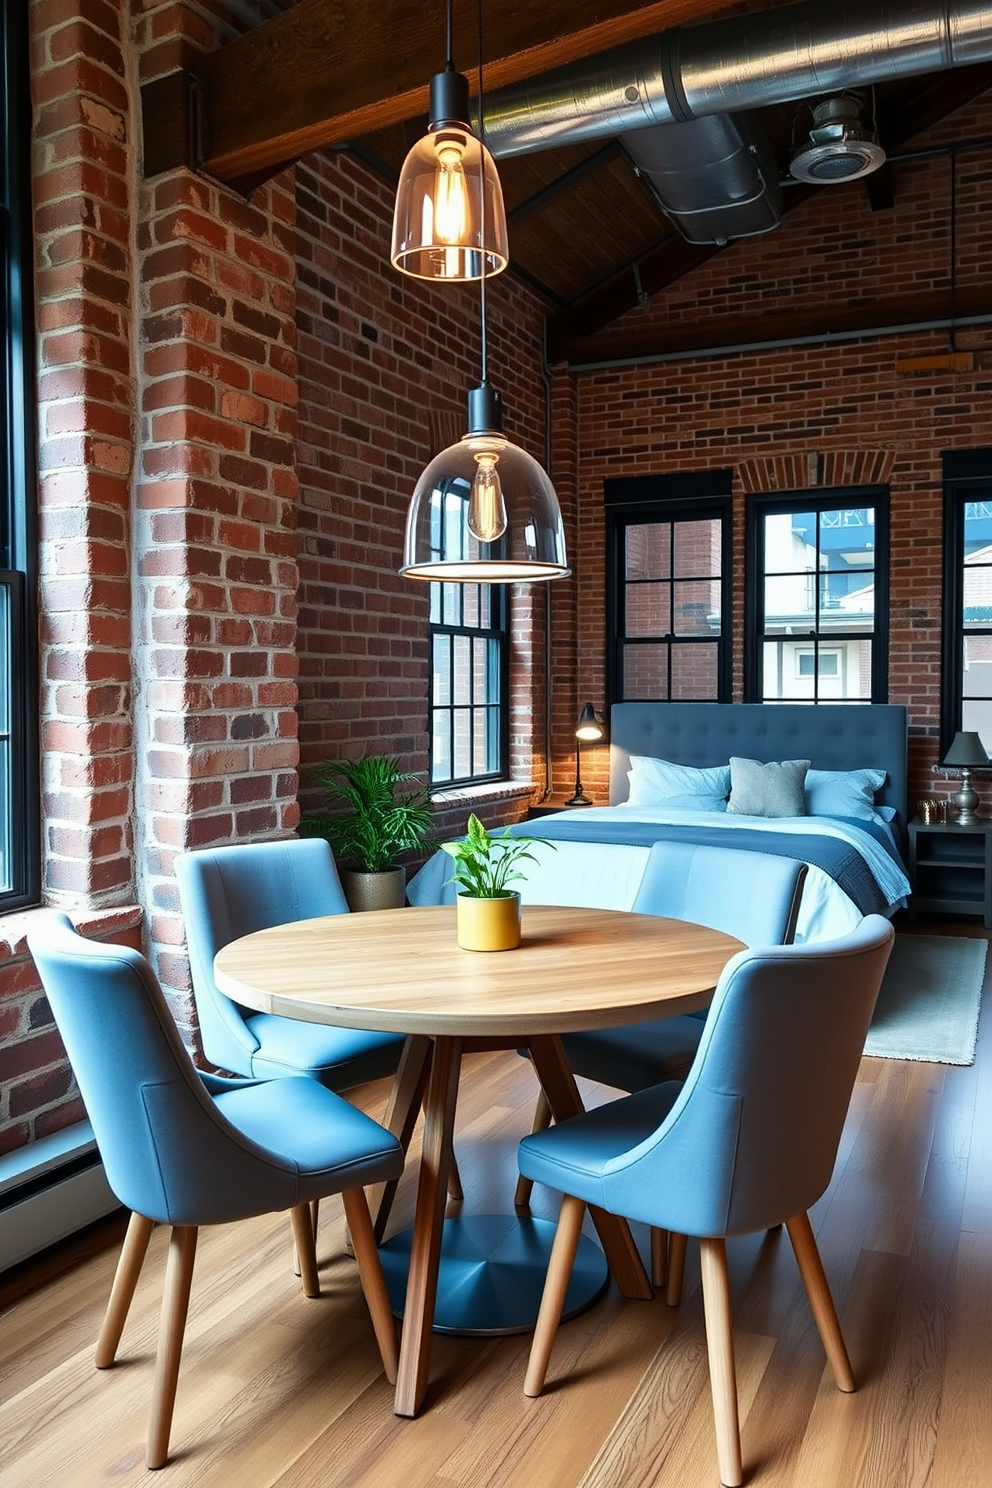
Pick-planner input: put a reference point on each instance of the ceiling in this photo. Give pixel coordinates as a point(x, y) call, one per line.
point(585, 231)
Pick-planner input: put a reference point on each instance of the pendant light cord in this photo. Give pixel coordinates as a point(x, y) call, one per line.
point(482, 213)
point(449, 50)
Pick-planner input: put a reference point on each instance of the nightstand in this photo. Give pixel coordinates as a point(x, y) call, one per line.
point(950, 868)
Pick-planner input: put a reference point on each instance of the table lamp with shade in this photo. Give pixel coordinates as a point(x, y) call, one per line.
point(588, 728)
point(967, 753)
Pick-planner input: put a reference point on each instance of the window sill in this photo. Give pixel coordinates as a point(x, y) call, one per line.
point(473, 795)
point(97, 924)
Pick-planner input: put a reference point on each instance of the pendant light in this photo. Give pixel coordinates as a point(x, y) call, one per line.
point(449, 222)
point(484, 512)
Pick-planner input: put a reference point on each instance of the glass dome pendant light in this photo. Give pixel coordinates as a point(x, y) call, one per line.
point(484, 511)
point(449, 221)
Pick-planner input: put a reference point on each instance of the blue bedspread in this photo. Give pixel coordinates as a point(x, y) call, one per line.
point(840, 860)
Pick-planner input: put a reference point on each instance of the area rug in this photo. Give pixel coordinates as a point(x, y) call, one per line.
point(929, 1003)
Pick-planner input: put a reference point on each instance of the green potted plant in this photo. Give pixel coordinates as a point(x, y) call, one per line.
point(376, 825)
point(487, 911)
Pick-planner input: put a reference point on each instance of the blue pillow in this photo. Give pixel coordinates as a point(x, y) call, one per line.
point(846, 793)
point(658, 782)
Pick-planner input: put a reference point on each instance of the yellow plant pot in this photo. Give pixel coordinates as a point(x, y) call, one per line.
point(488, 924)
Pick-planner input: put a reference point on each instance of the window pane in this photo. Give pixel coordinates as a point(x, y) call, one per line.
point(462, 670)
point(441, 671)
point(649, 609)
point(648, 550)
point(694, 673)
point(790, 601)
point(440, 749)
point(452, 606)
point(847, 538)
point(697, 549)
point(645, 673)
point(696, 606)
point(830, 673)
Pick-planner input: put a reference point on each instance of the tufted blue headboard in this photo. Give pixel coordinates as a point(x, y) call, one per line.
point(833, 736)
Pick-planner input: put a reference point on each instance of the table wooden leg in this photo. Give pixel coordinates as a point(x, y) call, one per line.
point(401, 1114)
point(421, 1290)
point(558, 1084)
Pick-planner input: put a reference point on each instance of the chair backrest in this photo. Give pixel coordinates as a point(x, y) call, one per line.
point(167, 1151)
point(752, 1137)
point(751, 895)
point(227, 892)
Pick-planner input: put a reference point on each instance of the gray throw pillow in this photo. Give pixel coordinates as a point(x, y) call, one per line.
point(775, 789)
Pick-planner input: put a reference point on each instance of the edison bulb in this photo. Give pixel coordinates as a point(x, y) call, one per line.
point(450, 192)
point(486, 507)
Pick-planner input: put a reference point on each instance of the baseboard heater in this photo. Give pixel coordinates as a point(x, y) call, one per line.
point(48, 1190)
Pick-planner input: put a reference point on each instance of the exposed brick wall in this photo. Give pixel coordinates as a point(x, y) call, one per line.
point(38, 1093)
point(81, 169)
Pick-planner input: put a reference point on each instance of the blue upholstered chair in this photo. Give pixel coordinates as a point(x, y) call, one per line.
point(748, 1141)
point(227, 892)
point(188, 1149)
point(752, 896)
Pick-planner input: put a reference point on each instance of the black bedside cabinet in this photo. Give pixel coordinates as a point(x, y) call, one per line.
point(950, 868)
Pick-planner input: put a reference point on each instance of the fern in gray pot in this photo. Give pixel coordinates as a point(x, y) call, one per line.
point(371, 823)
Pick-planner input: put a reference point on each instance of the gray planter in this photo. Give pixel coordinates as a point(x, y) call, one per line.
point(386, 890)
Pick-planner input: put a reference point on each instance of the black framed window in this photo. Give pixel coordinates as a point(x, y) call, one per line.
point(20, 874)
point(966, 693)
point(469, 724)
point(817, 604)
point(669, 561)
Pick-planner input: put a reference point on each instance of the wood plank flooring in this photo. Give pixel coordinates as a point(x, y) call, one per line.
point(278, 1390)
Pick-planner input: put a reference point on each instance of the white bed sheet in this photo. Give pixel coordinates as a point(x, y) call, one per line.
point(607, 875)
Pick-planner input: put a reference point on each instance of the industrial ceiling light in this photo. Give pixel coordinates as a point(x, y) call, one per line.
point(484, 512)
point(449, 222)
point(841, 145)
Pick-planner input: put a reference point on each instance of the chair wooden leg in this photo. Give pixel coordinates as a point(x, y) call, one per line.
point(139, 1232)
point(820, 1301)
point(373, 1282)
point(542, 1120)
point(720, 1349)
point(676, 1268)
point(306, 1253)
point(659, 1256)
point(553, 1298)
point(314, 1208)
point(175, 1305)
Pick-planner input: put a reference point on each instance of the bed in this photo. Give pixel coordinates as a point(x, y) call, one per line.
point(670, 778)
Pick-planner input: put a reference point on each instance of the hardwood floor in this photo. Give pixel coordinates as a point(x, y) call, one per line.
point(275, 1389)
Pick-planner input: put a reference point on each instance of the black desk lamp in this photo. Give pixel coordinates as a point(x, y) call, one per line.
point(967, 753)
point(589, 728)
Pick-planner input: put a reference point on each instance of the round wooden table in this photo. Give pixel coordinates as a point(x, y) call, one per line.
point(402, 971)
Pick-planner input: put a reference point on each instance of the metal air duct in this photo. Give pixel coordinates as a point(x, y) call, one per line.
point(740, 62)
point(716, 178)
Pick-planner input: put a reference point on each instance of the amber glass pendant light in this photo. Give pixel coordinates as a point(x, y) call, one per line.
point(449, 222)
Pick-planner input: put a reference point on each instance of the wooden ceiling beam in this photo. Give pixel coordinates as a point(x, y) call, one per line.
point(327, 71)
point(792, 327)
